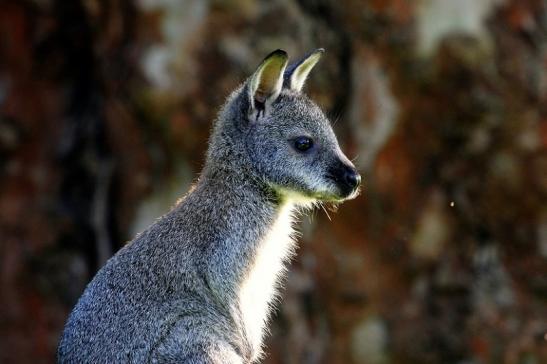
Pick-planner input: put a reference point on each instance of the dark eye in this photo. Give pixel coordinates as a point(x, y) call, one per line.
point(302, 144)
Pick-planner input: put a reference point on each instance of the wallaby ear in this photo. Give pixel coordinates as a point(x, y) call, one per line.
point(296, 74)
point(267, 81)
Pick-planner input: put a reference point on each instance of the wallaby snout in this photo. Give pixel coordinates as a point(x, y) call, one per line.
point(346, 178)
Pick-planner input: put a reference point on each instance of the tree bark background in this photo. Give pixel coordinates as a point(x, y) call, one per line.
point(105, 110)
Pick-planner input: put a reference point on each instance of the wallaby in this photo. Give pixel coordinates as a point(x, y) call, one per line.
point(197, 286)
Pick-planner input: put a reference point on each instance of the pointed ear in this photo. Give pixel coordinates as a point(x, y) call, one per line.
point(267, 81)
point(296, 74)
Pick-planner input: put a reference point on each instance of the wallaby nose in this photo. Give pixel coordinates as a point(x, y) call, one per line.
point(352, 178)
point(346, 177)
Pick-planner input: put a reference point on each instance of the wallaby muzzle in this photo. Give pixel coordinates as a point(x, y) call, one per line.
point(346, 178)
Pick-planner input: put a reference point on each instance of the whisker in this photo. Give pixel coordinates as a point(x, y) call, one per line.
point(334, 116)
point(333, 207)
point(326, 213)
point(312, 216)
point(337, 119)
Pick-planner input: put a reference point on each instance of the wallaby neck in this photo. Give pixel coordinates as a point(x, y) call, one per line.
point(243, 263)
point(240, 211)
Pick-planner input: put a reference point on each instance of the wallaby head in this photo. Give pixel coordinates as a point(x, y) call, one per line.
point(282, 138)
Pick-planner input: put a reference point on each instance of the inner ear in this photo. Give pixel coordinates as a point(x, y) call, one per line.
point(266, 83)
point(298, 72)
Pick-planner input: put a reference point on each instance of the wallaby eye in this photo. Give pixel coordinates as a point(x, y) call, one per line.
point(302, 144)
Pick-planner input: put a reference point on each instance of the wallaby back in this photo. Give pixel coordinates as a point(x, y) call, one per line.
point(197, 285)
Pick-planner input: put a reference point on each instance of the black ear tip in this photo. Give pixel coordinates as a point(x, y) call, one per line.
point(278, 53)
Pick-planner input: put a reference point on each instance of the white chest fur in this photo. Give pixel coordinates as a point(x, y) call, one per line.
point(260, 286)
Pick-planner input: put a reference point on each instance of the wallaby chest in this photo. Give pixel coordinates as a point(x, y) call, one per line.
point(261, 282)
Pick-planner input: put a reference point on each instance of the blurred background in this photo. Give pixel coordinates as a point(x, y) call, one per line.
point(105, 111)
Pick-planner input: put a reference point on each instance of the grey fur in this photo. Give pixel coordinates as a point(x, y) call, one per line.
point(173, 294)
